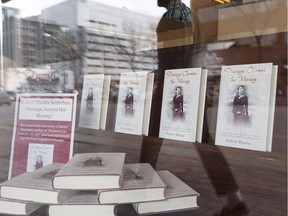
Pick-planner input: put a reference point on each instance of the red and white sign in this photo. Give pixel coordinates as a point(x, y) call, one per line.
point(43, 131)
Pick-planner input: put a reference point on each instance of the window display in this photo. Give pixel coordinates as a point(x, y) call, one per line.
point(118, 75)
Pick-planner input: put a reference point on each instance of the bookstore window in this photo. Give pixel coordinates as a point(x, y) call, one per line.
point(167, 107)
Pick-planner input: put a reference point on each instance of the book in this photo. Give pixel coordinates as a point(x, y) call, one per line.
point(140, 183)
point(17, 207)
point(178, 197)
point(246, 106)
point(35, 186)
point(43, 131)
point(183, 101)
point(91, 171)
point(82, 203)
point(134, 100)
point(91, 103)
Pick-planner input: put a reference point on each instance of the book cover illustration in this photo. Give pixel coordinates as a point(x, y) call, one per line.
point(244, 104)
point(131, 103)
point(90, 110)
point(141, 175)
point(39, 155)
point(43, 123)
point(180, 104)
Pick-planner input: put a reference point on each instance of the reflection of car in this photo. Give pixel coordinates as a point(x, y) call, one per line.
point(5, 98)
point(12, 95)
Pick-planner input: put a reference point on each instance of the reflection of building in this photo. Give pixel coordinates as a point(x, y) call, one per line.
point(25, 40)
point(116, 43)
point(11, 36)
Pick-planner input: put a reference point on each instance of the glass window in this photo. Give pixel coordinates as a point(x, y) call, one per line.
point(198, 88)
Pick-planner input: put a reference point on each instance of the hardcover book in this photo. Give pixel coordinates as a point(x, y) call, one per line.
point(178, 197)
point(246, 106)
point(35, 186)
point(91, 102)
point(141, 183)
point(43, 131)
point(82, 203)
point(183, 104)
point(17, 207)
point(134, 99)
point(91, 171)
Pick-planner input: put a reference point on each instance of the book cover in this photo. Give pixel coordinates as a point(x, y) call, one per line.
point(43, 131)
point(140, 183)
point(35, 186)
point(91, 171)
point(131, 103)
point(178, 197)
point(244, 116)
point(82, 203)
point(17, 207)
point(180, 104)
point(91, 102)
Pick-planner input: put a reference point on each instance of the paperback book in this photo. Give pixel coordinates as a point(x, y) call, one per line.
point(35, 186)
point(178, 197)
point(183, 104)
point(141, 183)
point(91, 171)
point(246, 106)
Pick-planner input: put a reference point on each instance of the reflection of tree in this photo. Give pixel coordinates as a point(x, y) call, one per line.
point(69, 46)
point(136, 47)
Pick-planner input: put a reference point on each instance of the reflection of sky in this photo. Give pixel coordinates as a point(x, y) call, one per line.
point(34, 7)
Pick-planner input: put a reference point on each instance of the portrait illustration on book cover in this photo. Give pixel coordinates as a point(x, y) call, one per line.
point(177, 104)
point(240, 107)
point(129, 102)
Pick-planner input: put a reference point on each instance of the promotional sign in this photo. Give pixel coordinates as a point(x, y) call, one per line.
point(43, 131)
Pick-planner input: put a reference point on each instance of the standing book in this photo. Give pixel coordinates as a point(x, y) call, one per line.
point(134, 101)
point(91, 102)
point(178, 197)
point(82, 203)
point(183, 104)
point(246, 106)
point(35, 186)
point(17, 207)
point(91, 171)
point(141, 183)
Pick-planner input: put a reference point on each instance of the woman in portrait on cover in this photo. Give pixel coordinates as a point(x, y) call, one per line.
point(89, 100)
point(177, 104)
point(39, 162)
point(128, 102)
point(240, 105)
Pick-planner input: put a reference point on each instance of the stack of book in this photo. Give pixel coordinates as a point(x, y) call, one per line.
point(95, 184)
